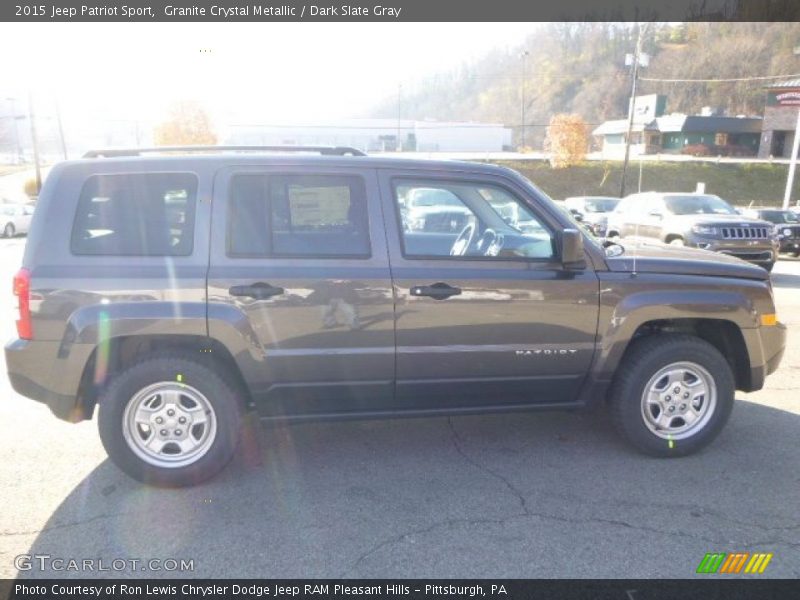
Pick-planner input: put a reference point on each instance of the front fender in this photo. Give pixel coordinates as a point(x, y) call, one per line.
point(633, 310)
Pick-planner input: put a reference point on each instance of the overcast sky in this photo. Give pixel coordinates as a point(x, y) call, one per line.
point(261, 71)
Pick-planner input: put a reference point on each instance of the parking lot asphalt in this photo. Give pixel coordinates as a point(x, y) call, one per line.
point(532, 495)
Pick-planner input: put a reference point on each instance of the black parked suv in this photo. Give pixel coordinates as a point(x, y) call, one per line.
point(697, 220)
point(175, 291)
point(786, 225)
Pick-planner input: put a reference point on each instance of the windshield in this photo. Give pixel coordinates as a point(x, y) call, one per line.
point(779, 216)
point(698, 205)
point(600, 205)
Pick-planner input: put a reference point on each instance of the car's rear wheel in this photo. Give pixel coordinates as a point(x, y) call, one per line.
point(672, 394)
point(769, 267)
point(9, 231)
point(677, 242)
point(170, 421)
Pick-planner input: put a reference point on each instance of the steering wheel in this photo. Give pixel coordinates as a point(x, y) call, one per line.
point(464, 240)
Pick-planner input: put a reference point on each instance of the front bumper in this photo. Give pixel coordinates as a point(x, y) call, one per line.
point(765, 346)
point(791, 245)
point(41, 371)
point(760, 252)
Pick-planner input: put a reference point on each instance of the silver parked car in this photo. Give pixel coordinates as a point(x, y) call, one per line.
point(16, 219)
point(594, 210)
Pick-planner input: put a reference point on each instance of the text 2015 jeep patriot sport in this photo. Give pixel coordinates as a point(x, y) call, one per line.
point(175, 292)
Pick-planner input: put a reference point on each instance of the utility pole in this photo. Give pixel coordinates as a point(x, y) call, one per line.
point(61, 130)
point(787, 195)
point(35, 144)
point(524, 71)
point(399, 115)
point(14, 118)
point(631, 108)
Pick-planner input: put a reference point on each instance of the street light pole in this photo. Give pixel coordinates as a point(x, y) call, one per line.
point(787, 195)
point(524, 71)
point(631, 109)
point(35, 144)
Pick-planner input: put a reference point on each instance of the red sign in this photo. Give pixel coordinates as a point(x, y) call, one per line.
point(788, 98)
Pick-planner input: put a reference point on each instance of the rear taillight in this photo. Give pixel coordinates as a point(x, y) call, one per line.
point(22, 290)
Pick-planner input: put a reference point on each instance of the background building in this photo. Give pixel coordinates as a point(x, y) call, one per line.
point(780, 119)
point(654, 132)
point(376, 135)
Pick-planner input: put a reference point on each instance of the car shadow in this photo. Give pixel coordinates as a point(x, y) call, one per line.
point(389, 498)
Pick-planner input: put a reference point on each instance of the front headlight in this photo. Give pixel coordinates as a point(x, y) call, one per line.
point(787, 232)
point(416, 223)
point(704, 230)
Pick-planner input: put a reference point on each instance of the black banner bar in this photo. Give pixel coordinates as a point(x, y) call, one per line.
point(372, 589)
point(398, 10)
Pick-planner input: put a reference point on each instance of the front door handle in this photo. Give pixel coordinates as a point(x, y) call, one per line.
point(259, 291)
point(437, 291)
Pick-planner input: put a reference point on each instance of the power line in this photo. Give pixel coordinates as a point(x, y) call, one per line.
point(732, 79)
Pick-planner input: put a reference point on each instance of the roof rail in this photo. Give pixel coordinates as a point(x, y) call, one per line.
point(323, 150)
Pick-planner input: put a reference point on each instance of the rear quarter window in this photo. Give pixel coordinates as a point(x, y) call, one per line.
point(142, 214)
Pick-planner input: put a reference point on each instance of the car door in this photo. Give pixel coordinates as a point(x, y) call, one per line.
point(652, 217)
point(299, 253)
point(486, 330)
point(25, 216)
point(634, 216)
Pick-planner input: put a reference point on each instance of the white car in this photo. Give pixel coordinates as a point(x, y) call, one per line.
point(15, 219)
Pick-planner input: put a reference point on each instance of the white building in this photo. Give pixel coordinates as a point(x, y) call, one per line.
point(375, 135)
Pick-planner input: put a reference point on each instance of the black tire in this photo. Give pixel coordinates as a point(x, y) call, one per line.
point(642, 361)
point(9, 231)
point(225, 399)
point(769, 267)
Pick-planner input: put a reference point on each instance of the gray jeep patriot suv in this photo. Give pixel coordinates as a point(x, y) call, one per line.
point(174, 291)
point(697, 220)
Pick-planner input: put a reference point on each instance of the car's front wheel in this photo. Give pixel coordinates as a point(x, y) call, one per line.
point(170, 421)
point(9, 231)
point(672, 394)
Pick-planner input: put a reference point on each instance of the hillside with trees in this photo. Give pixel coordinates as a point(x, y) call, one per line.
point(580, 68)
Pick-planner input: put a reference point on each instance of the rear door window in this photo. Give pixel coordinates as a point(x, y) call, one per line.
point(321, 216)
point(142, 214)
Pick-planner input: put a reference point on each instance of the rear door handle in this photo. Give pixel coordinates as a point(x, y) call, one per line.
point(437, 291)
point(259, 291)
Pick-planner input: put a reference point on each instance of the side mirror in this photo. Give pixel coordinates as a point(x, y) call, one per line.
point(572, 254)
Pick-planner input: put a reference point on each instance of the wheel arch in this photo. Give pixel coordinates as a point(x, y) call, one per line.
point(121, 351)
point(721, 318)
point(671, 237)
point(723, 334)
